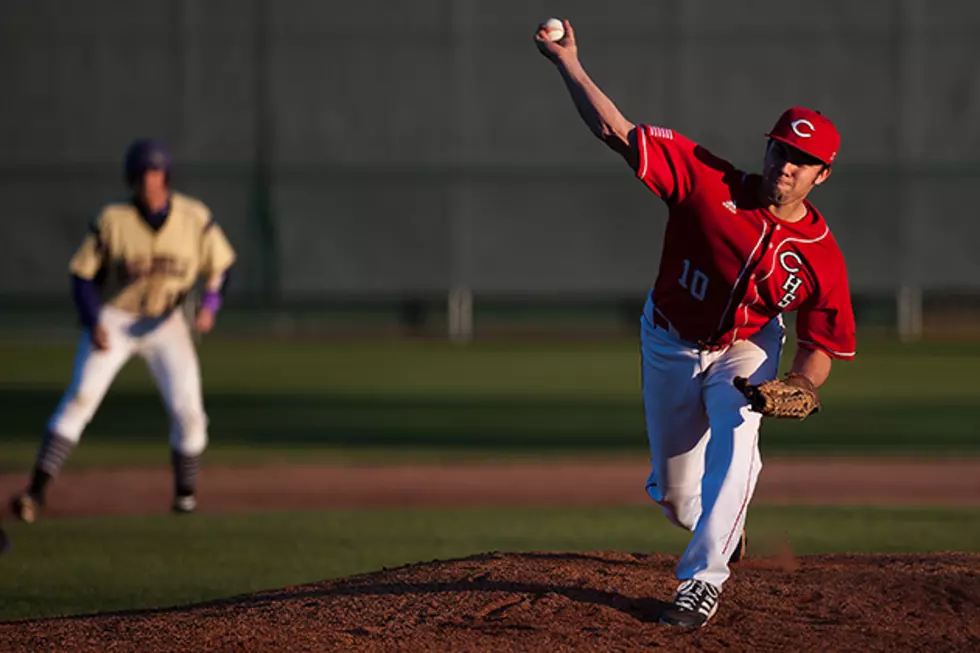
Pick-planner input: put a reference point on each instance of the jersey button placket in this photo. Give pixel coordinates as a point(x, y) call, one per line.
point(153, 255)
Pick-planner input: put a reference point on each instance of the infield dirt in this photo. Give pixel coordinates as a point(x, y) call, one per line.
point(545, 601)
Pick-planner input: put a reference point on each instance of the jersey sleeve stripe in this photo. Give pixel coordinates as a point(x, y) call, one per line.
point(641, 144)
point(836, 354)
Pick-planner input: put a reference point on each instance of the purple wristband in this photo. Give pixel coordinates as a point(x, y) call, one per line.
point(211, 301)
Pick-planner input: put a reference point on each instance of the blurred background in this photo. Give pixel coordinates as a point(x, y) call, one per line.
point(417, 168)
point(402, 178)
point(440, 266)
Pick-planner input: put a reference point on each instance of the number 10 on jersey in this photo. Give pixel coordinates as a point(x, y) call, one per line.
point(695, 283)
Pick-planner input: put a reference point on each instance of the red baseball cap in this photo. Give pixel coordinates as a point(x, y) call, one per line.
point(808, 131)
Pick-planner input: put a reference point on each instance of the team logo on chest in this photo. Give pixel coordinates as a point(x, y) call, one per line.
point(792, 263)
point(167, 266)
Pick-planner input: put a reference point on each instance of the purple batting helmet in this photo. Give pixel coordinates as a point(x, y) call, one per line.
point(146, 154)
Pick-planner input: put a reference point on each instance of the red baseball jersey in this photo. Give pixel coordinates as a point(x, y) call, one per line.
point(728, 264)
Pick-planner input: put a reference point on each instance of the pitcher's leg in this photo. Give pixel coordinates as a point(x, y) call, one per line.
point(677, 426)
point(173, 363)
point(732, 460)
point(732, 466)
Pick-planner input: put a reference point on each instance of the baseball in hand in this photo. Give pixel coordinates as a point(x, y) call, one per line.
point(554, 28)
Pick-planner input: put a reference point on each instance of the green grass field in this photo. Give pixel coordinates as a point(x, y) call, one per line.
point(390, 402)
point(70, 566)
point(396, 400)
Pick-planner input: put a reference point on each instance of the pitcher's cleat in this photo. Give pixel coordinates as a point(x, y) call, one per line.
point(694, 603)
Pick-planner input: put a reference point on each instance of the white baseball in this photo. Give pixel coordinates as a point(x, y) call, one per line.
point(554, 29)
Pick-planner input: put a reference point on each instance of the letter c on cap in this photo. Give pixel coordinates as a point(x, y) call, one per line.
point(806, 123)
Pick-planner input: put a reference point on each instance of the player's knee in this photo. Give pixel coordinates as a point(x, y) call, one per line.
point(189, 432)
point(67, 426)
point(681, 509)
point(653, 489)
point(73, 416)
point(679, 517)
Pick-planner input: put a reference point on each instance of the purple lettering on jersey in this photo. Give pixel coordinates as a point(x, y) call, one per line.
point(134, 269)
point(87, 300)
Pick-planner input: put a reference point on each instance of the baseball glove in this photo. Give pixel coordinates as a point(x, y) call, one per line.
point(795, 396)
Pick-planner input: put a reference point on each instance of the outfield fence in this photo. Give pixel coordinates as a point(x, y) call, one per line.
point(424, 155)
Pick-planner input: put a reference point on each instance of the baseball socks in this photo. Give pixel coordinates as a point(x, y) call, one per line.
point(186, 469)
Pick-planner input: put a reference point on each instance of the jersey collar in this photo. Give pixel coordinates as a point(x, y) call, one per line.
point(812, 225)
point(156, 219)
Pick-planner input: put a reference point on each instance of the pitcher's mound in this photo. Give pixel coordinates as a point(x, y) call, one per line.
point(562, 602)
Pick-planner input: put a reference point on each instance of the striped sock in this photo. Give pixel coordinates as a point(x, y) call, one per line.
point(54, 451)
point(186, 469)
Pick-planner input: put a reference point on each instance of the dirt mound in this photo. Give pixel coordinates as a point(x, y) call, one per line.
point(561, 602)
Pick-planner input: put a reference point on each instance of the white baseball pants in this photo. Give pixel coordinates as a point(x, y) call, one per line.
point(704, 440)
point(166, 346)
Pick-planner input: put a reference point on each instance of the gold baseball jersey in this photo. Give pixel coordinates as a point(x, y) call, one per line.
point(146, 271)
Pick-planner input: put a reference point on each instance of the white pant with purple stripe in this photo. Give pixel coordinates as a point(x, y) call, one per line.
point(704, 440)
point(168, 349)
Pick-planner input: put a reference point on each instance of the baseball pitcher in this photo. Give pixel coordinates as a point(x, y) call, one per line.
point(739, 250)
point(143, 256)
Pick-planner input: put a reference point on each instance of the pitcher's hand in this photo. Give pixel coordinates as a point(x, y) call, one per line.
point(556, 51)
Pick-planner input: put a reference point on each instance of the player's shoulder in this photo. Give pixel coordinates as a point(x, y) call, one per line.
point(648, 134)
point(830, 261)
point(824, 234)
point(191, 208)
point(647, 130)
point(112, 213)
point(699, 155)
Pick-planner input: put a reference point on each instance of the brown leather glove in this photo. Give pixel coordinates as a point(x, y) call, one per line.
point(795, 396)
